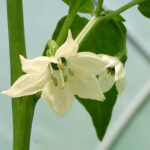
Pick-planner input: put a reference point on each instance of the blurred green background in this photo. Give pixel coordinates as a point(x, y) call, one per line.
point(75, 131)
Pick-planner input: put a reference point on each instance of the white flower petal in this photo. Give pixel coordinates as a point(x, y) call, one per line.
point(106, 81)
point(87, 62)
point(120, 77)
point(36, 65)
point(60, 100)
point(120, 85)
point(119, 71)
point(27, 85)
point(68, 49)
point(109, 59)
point(86, 86)
point(120, 74)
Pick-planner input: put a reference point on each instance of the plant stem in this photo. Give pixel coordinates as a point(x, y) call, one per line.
point(68, 22)
point(96, 19)
point(23, 108)
point(98, 8)
point(89, 26)
point(123, 8)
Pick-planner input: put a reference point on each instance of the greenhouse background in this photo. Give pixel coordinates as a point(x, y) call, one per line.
point(75, 131)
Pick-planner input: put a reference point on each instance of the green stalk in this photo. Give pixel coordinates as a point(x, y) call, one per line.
point(123, 8)
point(98, 8)
point(96, 19)
point(69, 20)
point(22, 108)
point(89, 26)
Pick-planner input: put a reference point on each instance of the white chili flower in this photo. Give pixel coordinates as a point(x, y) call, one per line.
point(60, 77)
point(114, 73)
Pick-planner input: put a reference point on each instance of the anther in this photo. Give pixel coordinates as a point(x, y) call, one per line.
point(53, 76)
point(55, 81)
point(60, 66)
point(70, 71)
point(65, 78)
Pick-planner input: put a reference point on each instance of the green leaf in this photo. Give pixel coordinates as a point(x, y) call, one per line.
point(100, 111)
point(87, 6)
point(107, 38)
point(144, 8)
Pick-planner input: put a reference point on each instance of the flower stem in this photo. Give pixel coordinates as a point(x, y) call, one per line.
point(68, 22)
point(23, 108)
point(98, 7)
point(97, 19)
point(89, 26)
point(123, 8)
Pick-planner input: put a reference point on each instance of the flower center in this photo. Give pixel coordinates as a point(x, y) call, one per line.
point(111, 70)
point(60, 66)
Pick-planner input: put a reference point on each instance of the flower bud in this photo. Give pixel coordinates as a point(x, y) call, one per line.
point(51, 48)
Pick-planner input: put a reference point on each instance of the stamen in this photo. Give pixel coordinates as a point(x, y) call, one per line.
point(70, 71)
point(53, 75)
point(61, 69)
point(65, 78)
point(55, 81)
point(52, 71)
point(61, 66)
point(62, 79)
